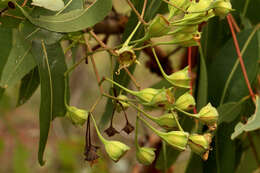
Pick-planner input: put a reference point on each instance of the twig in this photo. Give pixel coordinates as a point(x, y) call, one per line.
point(132, 78)
point(234, 23)
point(140, 17)
point(93, 63)
point(240, 58)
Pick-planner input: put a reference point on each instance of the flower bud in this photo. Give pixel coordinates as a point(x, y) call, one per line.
point(183, 4)
point(185, 102)
point(200, 144)
point(166, 121)
point(180, 78)
point(208, 114)
point(115, 149)
point(221, 8)
point(158, 27)
point(124, 104)
point(176, 139)
point(77, 116)
point(145, 155)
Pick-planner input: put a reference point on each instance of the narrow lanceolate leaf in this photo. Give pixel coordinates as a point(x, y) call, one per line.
point(228, 112)
point(51, 66)
point(5, 48)
point(74, 20)
point(28, 86)
point(20, 61)
point(252, 124)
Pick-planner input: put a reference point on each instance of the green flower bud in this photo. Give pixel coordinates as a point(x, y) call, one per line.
point(208, 114)
point(145, 155)
point(221, 8)
point(124, 104)
point(158, 27)
point(200, 144)
point(185, 102)
point(183, 4)
point(166, 121)
point(176, 139)
point(126, 57)
point(180, 78)
point(115, 149)
point(77, 116)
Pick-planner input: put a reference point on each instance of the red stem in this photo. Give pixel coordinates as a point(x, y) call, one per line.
point(240, 57)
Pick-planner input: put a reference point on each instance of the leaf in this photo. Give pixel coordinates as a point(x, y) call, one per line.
point(74, 20)
point(28, 86)
point(20, 159)
point(20, 61)
point(228, 112)
point(202, 91)
point(252, 124)
point(51, 66)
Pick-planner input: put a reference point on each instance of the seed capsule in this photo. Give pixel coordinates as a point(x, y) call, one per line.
point(158, 27)
point(77, 116)
point(180, 78)
point(145, 155)
point(200, 144)
point(185, 102)
point(115, 149)
point(176, 139)
point(209, 115)
point(166, 121)
point(126, 57)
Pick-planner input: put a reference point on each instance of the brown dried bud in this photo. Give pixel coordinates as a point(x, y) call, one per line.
point(128, 128)
point(111, 131)
point(91, 153)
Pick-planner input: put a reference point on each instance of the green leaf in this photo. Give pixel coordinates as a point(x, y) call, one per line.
point(195, 164)
point(74, 20)
point(202, 91)
point(252, 124)
point(28, 86)
point(51, 65)
point(20, 61)
point(228, 112)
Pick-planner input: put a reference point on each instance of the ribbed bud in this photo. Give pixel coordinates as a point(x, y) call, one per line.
point(180, 78)
point(181, 4)
point(221, 8)
point(158, 27)
point(115, 149)
point(209, 115)
point(200, 144)
point(185, 102)
point(176, 139)
point(145, 155)
point(77, 116)
point(166, 121)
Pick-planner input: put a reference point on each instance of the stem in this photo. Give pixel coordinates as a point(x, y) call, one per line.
point(234, 23)
point(122, 87)
point(240, 59)
point(115, 98)
point(95, 104)
point(131, 35)
point(186, 113)
point(245, 8)
point(136, 131)
point(151, 127)
point(236, 64)
point(140, 17)
point(103, 140)
point(93, 64)
point(63, 8)
point(159, 64)
point(177, 121)
point(164, 156)
point(140, 110)
point(132, 78)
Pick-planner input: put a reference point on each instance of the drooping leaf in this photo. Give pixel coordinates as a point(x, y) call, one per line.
point(51, 66)
point(252, 124)
point(74, 20)
point(228, 112)
point(20, 61)
point(28, 86)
